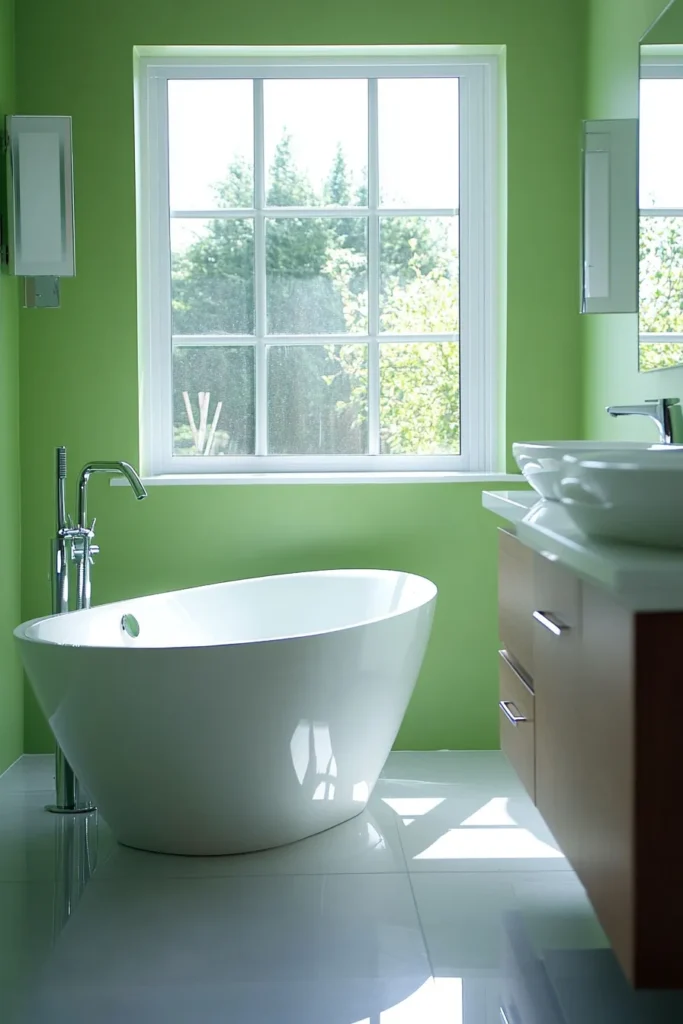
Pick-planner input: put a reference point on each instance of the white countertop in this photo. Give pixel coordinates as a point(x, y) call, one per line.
point(643, 579)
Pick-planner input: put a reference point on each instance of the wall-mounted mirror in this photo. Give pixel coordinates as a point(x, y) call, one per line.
point(661, 193)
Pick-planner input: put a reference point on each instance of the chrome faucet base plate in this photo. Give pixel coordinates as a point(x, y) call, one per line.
point(56, 809)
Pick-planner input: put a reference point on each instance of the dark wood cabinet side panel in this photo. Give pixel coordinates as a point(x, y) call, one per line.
point(659, 799)
point(605, 693)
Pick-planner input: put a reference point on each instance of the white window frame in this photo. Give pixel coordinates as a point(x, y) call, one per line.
point(478, 90)
point(654, 64)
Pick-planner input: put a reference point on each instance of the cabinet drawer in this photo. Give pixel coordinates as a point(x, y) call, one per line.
point(557, 597)
point(517, 715)
point(560, 707)
point(516, 599)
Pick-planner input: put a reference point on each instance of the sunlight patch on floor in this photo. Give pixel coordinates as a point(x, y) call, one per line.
point(487, 843)
point(438, 1001)
point(495, 812)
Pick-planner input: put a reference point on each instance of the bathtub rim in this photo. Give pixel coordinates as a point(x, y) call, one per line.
point(21, 632)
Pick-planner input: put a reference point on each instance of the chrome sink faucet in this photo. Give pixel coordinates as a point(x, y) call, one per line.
point(75, 544)
point(659, 410)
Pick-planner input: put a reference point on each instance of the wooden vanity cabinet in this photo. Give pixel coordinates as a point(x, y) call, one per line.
point(516, 600)
point(606, 730)
point(515, 629)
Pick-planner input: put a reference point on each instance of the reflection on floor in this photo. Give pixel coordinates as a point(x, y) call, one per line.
point(446, 902)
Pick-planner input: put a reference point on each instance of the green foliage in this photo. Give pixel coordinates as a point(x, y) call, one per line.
point(656, 356)
point(316, 399)
point(661, 290)
point(423, 381)
point(419, 381)
point(337, 187)
point(213, 279)
point(317, 284)
point(228, 373)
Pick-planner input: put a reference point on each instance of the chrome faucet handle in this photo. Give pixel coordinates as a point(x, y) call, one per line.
point(81, 537)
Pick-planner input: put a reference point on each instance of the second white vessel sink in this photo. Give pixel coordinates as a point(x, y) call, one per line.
point(631, 497)
point(541, 461)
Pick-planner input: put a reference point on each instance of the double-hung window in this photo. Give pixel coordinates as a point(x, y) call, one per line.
point(661, 212)
point(316, 236)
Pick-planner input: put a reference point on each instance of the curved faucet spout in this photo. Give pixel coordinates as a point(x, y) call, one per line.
point(113, 469)
point(659, 410)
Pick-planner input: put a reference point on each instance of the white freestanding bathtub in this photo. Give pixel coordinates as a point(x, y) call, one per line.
point(244, 715)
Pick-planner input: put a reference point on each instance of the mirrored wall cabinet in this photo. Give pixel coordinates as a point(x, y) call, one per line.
point(610, 217)
point(40, 222)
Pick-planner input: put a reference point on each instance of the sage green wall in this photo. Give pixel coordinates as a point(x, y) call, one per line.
point(11, 689)
point(611, 375)
point(79, 365)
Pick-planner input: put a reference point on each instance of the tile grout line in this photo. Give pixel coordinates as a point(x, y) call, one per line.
point(242, 876)
point(409, 876)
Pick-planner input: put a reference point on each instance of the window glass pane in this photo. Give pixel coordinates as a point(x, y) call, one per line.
point(316, 142)
point(210, 144)
point(419, 275)
point(661, 275)
point(212, 264)
point(661, 142)
point(420, 398)
point(317, 399)
point(316, 275)
point(654, 356)
point(418, 122)
point(213, 400)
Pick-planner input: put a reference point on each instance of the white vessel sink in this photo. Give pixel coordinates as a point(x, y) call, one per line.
point(632, 497)
point(541, 461)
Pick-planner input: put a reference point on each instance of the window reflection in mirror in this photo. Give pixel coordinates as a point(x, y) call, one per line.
point(661, 207)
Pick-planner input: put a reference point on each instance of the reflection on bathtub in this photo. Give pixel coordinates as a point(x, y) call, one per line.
point(399, 596)
point(313, 760)
point(360, 793)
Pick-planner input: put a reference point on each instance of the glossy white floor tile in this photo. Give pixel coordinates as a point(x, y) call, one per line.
point(469, 813)
point(368, 843)
point(282, 928)
point(397, 1001)
point(30, 772)
point(30, 837)
point(461, 915)
point(441, 904)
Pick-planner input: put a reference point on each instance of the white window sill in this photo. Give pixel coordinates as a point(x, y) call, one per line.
point(223, 479)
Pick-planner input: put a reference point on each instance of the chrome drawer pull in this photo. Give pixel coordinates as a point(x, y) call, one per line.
point(551, 622)
point(517, 672)
point(515, 719)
